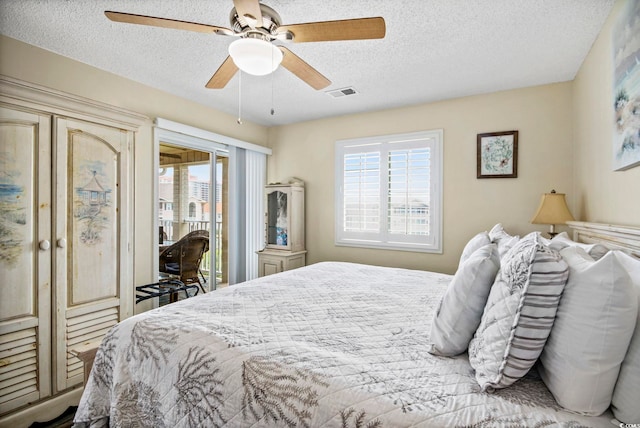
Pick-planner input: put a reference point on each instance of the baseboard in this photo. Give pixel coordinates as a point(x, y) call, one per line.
point(45, 410)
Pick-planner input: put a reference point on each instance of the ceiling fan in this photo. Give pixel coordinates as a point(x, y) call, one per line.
point(256, 27)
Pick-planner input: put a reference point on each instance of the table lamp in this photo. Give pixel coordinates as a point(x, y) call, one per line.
point(552, 210)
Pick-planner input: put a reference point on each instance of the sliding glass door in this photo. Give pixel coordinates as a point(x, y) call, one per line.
point(228, 206)
point(191, 205)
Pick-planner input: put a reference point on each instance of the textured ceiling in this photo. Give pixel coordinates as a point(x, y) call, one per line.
point(433, 49)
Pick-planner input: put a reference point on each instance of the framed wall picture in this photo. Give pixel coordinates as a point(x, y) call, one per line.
point(626, 82)
point(498, 155)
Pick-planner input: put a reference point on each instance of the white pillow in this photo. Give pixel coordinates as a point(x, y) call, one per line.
point(591, 334)
point(500, 236)
point(519, 313)
point(626, 395)
point(478, 241)
point(562, 240)
point(462, 305)
point(497, 232)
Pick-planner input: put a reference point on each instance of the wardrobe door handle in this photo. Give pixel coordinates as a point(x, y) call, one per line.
point(62, 243)
point(44, 245)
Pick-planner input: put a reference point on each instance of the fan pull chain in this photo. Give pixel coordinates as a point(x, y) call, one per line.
point(239, 97)
point(272, 73)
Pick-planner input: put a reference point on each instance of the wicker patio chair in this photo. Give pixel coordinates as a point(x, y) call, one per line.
point(183, 258)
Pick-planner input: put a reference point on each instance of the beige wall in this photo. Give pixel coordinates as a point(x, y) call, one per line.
point(565, 144)
point(29, 63)
point(542, 115)
point(601, 195)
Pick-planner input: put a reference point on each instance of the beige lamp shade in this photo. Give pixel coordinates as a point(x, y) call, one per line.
point(552, 210)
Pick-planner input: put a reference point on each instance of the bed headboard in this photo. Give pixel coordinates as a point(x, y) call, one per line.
point(614, 237)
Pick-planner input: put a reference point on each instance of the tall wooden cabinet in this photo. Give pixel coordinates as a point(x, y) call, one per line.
point(66, 236)
point(25, 265)
point(284, 228)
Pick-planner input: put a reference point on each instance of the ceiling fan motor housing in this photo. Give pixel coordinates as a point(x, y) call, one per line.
point(245, 26)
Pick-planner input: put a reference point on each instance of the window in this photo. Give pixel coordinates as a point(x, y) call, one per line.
point(389, 192)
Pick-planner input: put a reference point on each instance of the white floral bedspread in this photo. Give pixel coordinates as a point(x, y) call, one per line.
point(329, 345)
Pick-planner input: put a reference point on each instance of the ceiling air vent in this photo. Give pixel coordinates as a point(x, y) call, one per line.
point(337, 93)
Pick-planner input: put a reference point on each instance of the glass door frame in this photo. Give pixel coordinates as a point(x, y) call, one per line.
point(215, 150)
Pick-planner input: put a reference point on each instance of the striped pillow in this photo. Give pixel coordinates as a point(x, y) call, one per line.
point(519, 313)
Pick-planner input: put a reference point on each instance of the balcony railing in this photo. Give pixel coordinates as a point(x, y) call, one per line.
point(167, 226)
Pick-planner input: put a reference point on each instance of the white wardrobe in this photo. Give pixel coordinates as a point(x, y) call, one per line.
point(66, 237)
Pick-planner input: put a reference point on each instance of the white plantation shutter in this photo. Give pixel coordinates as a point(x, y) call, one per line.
point(389, 191)
point(408, 194)
point(361, 196)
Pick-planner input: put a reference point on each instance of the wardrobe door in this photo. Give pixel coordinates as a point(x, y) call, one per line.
point(93, 262)
point(25, 258)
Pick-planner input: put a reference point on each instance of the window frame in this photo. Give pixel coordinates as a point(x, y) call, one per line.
point(431, 243)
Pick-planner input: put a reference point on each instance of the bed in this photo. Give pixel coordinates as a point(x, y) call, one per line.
point(331, 344)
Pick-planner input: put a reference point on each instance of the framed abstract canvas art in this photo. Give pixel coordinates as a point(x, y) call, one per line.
point(626, 91)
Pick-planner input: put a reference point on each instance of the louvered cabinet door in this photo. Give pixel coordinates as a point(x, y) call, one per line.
point(25, 258)
point(93, 265)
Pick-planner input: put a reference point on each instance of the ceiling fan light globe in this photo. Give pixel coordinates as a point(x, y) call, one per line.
point(255, 56)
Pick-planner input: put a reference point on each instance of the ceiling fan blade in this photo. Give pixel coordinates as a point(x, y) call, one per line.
point(347, 29)
point(250, 10)
point(222, 76)
point(167, 23)
point(304, 71)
